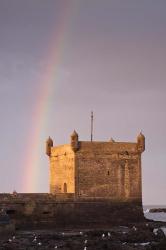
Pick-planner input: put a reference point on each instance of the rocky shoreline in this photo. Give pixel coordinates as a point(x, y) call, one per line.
point(157, 210)
point(148, 235)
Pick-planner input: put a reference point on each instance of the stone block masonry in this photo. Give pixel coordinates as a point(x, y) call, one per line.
point(108, 170)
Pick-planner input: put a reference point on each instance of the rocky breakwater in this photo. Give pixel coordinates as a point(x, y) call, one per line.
point(148, 235)
point(157, 210)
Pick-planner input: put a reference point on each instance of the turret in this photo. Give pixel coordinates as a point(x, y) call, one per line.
point(74, 141)
point(141, 142)
point(49, 144)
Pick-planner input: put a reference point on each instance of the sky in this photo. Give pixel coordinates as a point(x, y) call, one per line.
point(60, 59)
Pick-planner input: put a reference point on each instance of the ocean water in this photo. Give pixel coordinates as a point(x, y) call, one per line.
point(154, 216)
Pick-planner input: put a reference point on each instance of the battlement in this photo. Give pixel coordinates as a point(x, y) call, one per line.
point(107, 147)
point(97, 146)
point(61, 150)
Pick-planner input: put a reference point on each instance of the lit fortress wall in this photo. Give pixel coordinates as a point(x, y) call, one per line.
point(92, 169)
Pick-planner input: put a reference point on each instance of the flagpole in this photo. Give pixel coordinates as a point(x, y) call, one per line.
point(91, 126)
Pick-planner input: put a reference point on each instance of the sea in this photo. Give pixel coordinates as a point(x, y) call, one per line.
point(154, 216)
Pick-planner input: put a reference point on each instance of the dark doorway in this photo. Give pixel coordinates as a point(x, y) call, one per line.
point(65, 187)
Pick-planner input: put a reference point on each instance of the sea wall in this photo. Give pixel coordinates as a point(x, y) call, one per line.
point(69, 213)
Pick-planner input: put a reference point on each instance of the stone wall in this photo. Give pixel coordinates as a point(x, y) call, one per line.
point(62, 170)
point(108, 169)
point(46, 211)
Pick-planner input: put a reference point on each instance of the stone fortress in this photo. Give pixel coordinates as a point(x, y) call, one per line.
point(92, 184)
point(93, 169)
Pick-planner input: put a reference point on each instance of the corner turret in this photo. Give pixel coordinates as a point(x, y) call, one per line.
point(49, 144)
point(141, 142)
point(74, 141)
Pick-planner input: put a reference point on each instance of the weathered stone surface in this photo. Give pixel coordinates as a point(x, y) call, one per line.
point(110, 170)
point(62, 170)
point(44, 211)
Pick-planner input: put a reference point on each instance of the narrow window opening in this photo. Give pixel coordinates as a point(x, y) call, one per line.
point(108, 173)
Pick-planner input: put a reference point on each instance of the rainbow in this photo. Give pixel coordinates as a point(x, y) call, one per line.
point(32, 161)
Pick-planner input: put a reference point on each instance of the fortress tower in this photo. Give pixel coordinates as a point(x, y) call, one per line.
point(101, 170)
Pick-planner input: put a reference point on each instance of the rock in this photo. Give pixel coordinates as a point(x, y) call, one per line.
point(157, 210)
point(114, 238)
point(160, 234)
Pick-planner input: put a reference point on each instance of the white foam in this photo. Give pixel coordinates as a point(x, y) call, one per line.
point(146, 211)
